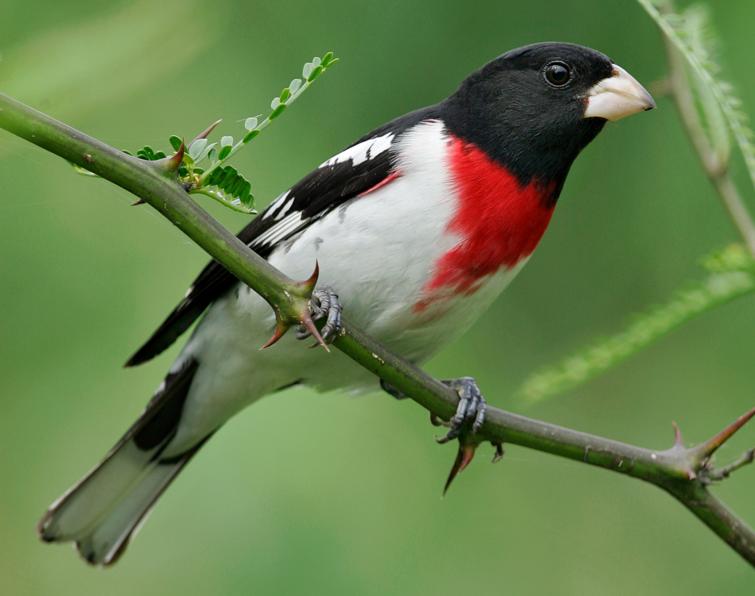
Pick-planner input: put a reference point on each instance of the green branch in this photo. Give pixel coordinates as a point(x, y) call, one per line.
point(683, 473)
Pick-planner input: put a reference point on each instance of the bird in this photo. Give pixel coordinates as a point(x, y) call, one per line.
point(416, 228)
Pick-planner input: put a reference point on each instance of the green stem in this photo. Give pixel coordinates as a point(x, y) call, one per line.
point(717, 516)
point(717, 172)
point(257, 130)
point(673, 469)
point(216, 196)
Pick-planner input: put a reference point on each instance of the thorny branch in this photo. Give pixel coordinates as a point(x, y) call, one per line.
point(685, 473)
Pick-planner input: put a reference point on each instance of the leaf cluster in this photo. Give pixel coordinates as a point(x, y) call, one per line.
point(201, 168)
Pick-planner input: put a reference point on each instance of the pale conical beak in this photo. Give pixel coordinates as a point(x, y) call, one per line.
point(617, 96)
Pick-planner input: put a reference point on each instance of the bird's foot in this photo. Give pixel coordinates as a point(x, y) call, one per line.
point(324, 305)
point(470, 412)
point(465, 424)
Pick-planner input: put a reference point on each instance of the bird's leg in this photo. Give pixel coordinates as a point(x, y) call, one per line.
point(464, 425)
point(324, 305)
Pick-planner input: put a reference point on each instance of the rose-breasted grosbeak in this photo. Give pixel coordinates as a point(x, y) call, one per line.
point(418, 226)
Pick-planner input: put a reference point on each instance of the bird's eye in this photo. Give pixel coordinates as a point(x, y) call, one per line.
point(557, 74)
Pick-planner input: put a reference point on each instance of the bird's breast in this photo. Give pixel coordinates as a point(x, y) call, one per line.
point(497, 223)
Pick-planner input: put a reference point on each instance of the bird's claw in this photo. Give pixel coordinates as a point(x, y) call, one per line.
point(470, 410)
point(324, 305)
point(464, 425)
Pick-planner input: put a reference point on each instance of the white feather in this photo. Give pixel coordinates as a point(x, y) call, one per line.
point(363, 151)
point(283, 210)
point(274, 205)
point(279, 231)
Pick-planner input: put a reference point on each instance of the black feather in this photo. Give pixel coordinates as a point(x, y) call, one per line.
point(160, 420)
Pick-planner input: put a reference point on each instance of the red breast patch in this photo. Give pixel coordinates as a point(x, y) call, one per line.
point(498, 220)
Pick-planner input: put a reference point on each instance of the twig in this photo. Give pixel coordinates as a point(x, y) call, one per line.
point(677, 470)
point(716, 169)
point(716, 474)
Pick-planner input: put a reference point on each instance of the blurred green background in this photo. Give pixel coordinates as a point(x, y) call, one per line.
point(348, 501)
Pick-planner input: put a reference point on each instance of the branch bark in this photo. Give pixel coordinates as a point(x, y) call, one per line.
point(685, 473)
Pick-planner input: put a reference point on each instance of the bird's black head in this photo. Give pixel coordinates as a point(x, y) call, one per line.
point(534, 108)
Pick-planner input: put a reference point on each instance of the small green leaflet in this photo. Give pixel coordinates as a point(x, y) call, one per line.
point(203, 169)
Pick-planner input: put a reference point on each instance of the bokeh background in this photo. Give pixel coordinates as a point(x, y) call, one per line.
point(306, 494)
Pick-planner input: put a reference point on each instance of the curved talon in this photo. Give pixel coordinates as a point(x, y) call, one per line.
point(471, 408)
point(324, 304)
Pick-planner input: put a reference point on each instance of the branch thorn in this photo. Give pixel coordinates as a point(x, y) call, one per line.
point(280, 331)
point(174, 161)
point(308, 285)
point(206, 132)
point(678, 442)
point(464, 456)
point(705, 450)
point(310, 326)
point(171, 164)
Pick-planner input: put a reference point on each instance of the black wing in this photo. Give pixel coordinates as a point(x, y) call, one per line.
point(361, 167)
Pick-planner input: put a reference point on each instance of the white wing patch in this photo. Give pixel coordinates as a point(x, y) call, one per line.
point(274, 206)
point(285, 222)
point(280, 230)
point(284, 210)
point(363, 151)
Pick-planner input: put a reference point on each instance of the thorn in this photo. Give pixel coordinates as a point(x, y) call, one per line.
point(709, 447)
point(677, 435)
point(175, 160)
point(310, 326)
point(280, 331)
point(206, 132)
point(171, 164)
point(464, 456)
point(308, 285)
point(138, 202)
